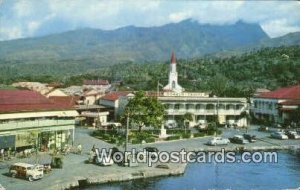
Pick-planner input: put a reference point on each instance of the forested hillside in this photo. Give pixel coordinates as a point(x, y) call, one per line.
point(234, 76)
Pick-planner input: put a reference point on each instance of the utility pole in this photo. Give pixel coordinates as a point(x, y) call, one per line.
point(127, 125)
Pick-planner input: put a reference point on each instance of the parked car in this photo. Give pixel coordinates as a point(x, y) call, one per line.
point(170, 125)
point(263, 128)
point(250, 138)
point(279, 135)
point(218, 141)
point(28, 171)
point(292, 135)
point(151, 149)
point(201, 126)
point(239, 139)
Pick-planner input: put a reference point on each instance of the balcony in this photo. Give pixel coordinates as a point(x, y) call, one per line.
point(204, 111)
point(35, 124)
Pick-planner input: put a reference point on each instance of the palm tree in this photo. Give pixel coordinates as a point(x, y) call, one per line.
point(246, 115)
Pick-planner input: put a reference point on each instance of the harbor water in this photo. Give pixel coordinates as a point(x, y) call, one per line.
point(261, 176)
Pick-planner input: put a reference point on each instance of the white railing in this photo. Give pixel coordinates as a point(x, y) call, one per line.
point(205, 112)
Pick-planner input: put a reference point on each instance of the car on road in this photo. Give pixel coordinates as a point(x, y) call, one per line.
point(27, 171)
point(249, 137)
point(218, 141)
point(263, 128)
point(238, 139)
point(151, 149)
point(292, 135)
point(279, 135)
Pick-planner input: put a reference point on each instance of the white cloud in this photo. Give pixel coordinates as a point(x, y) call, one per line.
point(278, 27)
point(23, 8)
point(30, 17)
point(179, 16)
point(32, 26)
point(9, 33)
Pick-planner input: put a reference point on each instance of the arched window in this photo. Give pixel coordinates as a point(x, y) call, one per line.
point(173, 84)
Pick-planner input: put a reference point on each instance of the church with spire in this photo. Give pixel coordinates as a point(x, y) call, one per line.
point(203, 108)
point(173, 77)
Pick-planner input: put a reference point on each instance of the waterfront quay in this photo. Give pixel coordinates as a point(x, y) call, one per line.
point(76, 172)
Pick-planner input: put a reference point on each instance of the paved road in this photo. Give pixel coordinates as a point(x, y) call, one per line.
point(263, 140)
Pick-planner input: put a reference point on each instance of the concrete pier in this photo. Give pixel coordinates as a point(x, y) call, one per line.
point(121, 174)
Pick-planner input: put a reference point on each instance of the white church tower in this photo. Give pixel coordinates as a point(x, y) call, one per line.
point(173, 77)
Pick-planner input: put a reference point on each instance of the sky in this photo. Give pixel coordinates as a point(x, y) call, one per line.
point(31, 18)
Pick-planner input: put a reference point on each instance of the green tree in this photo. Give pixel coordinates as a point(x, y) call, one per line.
point(143, 110)
point(295, 115)
point(218, 84)
point(188, 117)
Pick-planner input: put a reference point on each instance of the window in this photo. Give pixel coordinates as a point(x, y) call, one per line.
point(173, 84)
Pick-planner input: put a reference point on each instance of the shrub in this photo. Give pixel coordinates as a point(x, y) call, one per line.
point(175, 137)
point(106, 136)
point(211, 132)
point(136, 141)
point(200, 134)
point(113, 140)
point(219, 132)
point(178, 131)
point(150, 140)
point(186, 136)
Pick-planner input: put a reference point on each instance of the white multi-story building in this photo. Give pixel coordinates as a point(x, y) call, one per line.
point(275, 106)
point(202, 107)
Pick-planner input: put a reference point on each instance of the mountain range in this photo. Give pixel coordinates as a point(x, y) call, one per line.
point(187, 38)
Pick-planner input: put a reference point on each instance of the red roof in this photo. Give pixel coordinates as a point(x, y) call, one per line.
point(25, 100)
point(65, 100)
point(113, 96)
point(95, 82)
point(292, 92)
point(173, 58)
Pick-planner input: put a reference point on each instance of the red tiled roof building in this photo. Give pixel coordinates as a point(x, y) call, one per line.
point(276, 106)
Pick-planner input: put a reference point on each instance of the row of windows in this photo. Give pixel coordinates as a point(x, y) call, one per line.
point(264, 105)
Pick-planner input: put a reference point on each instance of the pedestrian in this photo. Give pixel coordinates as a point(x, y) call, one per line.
point(2, 154)
point(79, 148)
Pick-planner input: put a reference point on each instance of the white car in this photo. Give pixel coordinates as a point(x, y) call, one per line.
point(279, 135)
point(293, 135)
point(218, 141)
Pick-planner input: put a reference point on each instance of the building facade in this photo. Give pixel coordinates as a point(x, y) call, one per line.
point(28, 119)
point(115, 102)
point(276, 106)
point(202, 107)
